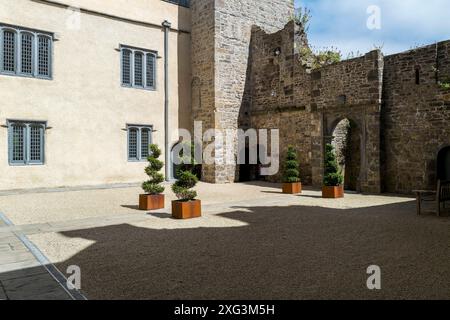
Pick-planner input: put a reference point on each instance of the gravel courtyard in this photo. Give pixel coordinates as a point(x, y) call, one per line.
point(251, 243)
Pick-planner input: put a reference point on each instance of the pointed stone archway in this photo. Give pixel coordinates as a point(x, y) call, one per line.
point(347, 138)
point(367, 119)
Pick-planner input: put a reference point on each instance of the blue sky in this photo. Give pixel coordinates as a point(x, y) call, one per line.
point(404, 24)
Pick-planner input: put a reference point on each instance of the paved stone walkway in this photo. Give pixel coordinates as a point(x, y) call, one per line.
point(22, 275)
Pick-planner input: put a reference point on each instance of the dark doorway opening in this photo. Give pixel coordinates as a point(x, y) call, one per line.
point(249, 171)
point(245, 170)
point(443, 164)
point(347, 142)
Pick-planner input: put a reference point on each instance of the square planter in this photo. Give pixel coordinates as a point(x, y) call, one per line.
point(151, 201)
point(186, 209)
point(333, 192)
point(292, 188)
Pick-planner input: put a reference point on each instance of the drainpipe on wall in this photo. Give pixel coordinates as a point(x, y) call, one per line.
point(166, 25)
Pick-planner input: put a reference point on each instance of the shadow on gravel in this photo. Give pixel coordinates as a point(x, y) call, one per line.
point(293, 252)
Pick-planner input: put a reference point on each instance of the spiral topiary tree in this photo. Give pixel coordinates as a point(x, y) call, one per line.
point(333, 176)
point(187, 162)
point(153, 185)
point(182, 188)
point(291, 171)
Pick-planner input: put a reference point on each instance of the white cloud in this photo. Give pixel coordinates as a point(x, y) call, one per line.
point(404, 23)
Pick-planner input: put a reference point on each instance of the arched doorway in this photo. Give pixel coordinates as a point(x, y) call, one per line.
point(367, 128)
point(347, 142)
point(443, 164)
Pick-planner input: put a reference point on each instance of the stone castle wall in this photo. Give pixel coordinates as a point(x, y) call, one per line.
point(415, 117)
point(306, 105)
point(351, 89)
point(250, 71)
point(400, 111)
point(203, 84)
point(222, 58)
point(277, 101)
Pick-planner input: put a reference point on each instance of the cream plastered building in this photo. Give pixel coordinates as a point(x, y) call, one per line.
point(65, 111)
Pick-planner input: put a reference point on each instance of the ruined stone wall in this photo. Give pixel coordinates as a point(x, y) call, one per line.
point(249, 72)
point(415, 117)
point(306, 104)
point(227, 31)
point(280, 95)
point(351, 89)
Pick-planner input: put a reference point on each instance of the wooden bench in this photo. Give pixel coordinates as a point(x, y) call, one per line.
point(440, 196)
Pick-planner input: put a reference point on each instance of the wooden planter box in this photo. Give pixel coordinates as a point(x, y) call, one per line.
point(333, 192)
point(186, 209)
point(292, 188)
point(151, 202)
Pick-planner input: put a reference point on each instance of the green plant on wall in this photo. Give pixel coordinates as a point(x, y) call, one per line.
point(326, 57)
point(332, 176)
point(302, 17)
point(153, 185)
point(445, 85)
point(291, 172)
point(320, 58)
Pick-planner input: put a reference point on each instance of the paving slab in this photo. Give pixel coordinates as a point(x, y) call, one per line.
point(22, 270)
point(15, 256)
point(39, 286)
point(2, 294)
point(22, 275)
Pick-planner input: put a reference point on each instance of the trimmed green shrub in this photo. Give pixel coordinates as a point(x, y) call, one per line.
point(291, 171)
point(186, 178)
point(332, 176)
point(153, 185)
point(188, 163)
point(182, 188)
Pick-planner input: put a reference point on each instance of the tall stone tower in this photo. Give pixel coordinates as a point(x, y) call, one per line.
point(221, 35)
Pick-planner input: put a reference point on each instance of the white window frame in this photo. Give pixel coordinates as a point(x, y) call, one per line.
point(144, 53)
point(19, 32)
point(139, 128)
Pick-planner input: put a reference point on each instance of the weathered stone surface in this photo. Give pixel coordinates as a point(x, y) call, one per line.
point(329, 95)
point(221, 35)
point(416, 117)
point(251, 71)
